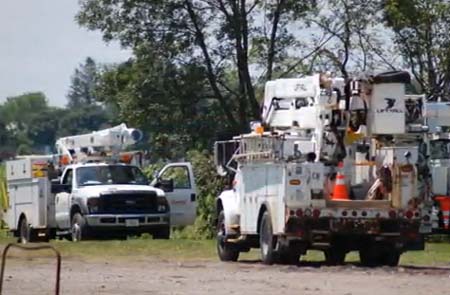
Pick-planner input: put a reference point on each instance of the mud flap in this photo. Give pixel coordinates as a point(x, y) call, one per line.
point(416, 245)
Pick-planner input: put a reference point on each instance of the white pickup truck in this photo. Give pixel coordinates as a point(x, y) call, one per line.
point(94, 200)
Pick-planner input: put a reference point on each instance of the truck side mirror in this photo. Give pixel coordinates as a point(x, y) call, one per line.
point(165, 184)
point(59, 188)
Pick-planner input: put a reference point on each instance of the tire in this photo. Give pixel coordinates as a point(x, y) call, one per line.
point(391, 257)
point(369, 256)
point(267, 241)
point(24, 231)
point(162, 233)
point(335, 256)
point(289, 256)
point(78, 228)
point(226, 251)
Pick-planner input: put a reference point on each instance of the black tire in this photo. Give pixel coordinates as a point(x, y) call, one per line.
point(289, 256)
point(226, 251)
point(78, 228)
point(369, 256)
point(391, 257)
point(24, 231)
point(335, 256)
point(267, 241)
point(162, 233)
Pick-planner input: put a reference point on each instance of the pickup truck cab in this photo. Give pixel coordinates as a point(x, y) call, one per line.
point(111, 199)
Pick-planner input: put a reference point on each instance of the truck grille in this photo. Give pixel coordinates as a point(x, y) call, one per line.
point(128, 203)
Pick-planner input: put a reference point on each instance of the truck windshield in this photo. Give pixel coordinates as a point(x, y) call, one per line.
point(440, 149)
point(112, 174)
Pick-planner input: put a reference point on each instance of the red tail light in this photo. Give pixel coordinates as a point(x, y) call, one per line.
point(316, 213)
point(299, 213)
point(409, 214)
point(354, 213)
point(344, 213)
point(364, 214)
point(392, 214)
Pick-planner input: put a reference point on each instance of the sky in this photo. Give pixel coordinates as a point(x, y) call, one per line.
point(41, 45)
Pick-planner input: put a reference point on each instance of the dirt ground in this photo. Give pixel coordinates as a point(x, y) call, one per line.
point(148, 276)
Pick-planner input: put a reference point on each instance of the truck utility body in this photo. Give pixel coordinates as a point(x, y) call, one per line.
point(96, 196)
point(437, 146)
point(329, 173)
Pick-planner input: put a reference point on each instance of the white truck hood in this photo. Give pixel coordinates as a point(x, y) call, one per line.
point(96, 190)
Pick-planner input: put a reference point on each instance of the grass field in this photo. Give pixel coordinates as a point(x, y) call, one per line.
point(435, 254)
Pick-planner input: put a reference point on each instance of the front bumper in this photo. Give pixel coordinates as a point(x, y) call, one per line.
point(127, 221)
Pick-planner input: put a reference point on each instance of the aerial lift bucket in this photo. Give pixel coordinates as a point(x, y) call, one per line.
point(444, 203)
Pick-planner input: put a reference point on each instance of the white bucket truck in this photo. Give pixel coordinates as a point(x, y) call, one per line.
point(332, 167)
point(96, 194)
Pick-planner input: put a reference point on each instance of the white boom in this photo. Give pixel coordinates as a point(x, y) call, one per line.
point(112, 139)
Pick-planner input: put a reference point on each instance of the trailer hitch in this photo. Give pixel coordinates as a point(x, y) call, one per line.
point(31, 248)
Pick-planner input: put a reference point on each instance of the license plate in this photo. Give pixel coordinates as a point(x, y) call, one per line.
point(131, 222)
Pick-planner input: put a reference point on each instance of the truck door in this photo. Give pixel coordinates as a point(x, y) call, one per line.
point(183, 199)
point(62, 202)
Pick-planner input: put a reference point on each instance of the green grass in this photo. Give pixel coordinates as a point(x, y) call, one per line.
point(435, 254)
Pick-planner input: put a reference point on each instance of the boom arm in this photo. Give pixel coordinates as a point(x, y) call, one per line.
point(113, 139)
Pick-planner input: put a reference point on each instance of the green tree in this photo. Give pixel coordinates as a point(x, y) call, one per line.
point(222, 37)
point(350, 37)
point(18, 118)
point(82, 84)
point(421, 33)
point(171, 102)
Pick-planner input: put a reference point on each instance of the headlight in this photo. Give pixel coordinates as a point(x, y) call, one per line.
point(92, 204)
point(163, 205)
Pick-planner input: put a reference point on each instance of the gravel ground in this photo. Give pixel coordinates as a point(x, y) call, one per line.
point(149, 276)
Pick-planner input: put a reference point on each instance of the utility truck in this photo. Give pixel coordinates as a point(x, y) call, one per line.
point(437, 150)
point(89, 190)
point(331, 167)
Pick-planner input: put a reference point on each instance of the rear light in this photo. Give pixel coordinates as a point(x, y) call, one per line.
point(364, 214)
point(299, 213)
point(307, 212)
point(354, 213)
point(409, 214)
point(316, 213)
point(392, 214)
point(416, 214)
point(344, 213)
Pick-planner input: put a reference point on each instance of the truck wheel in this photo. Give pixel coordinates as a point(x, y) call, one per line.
point(289, 256)
point(24, 231)
point(391, 258)
point(162, 233)
point(335, 256)
point(369, 256)
point(267, 241)
point(78, 229)
point(226, 251)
